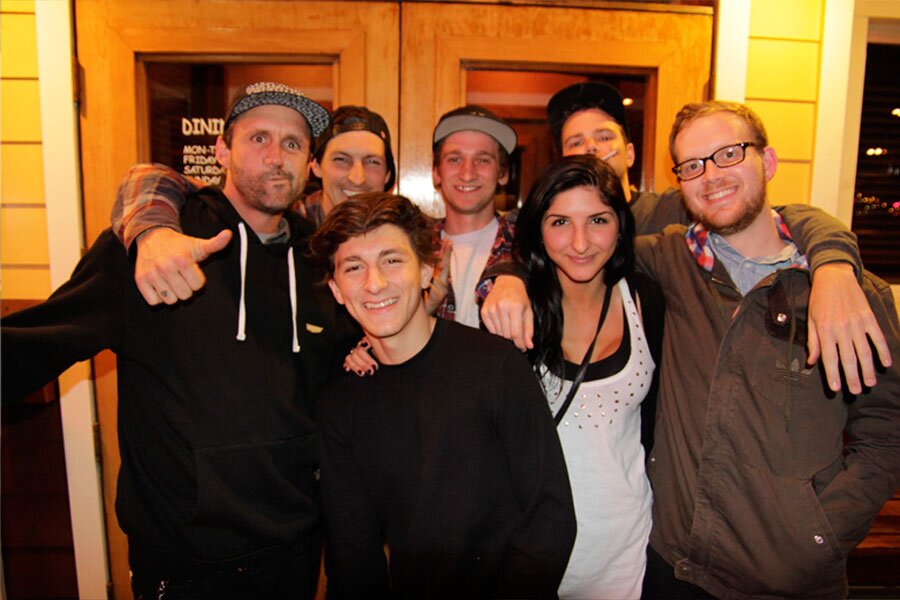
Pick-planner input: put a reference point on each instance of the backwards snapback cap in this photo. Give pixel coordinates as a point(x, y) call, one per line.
point(359, 118)
point(583, 96)
point(267, 92)
point(475, 118)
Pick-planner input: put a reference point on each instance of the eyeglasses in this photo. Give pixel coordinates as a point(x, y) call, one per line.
point(723, 157)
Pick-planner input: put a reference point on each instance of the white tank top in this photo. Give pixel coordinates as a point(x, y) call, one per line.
point(601, 440)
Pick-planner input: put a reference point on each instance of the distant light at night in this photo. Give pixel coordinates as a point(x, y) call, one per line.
point(876, 151)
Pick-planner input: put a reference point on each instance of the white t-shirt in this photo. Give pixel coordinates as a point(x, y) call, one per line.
point(470, 255)
point(601, 439)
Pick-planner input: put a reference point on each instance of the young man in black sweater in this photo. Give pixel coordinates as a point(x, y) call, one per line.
point(217, 491)
point(448, 453)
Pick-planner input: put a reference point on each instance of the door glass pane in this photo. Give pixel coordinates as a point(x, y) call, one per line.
point(520, 97)
point(187, 104)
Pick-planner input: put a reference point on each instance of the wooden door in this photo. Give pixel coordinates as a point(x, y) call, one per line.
point(442, 43)
point(115, 41)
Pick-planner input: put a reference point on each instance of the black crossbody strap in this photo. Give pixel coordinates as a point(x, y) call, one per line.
point(582, 369)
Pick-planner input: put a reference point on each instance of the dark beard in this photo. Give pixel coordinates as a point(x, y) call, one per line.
point(253, 189)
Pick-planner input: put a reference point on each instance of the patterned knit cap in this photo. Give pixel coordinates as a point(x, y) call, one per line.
point(267, 92)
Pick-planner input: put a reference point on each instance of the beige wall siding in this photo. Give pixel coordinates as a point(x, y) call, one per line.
point(24, 259)
point(783, 87)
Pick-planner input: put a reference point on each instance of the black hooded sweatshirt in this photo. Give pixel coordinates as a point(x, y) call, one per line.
point(216, 435)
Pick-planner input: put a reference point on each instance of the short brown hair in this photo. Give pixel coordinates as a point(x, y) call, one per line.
point(363, 213)
point(696, 110)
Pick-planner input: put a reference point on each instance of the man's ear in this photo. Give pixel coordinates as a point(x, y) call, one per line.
point(770, 162)
point(316, 168)
point(223, 152)
point(427, 273)
point(504, 176)
point(335, 290)
point(435, 177)
point(629, 154)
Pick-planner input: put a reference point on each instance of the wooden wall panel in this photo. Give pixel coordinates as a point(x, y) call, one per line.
point(790, 125)
point(783, 70)
point(791, 183)
point(24, 235)
point(24, 283)
point(24, 263)
point(13, 6)
point(22, 174)
point(18, 45)
point(18, 112)
point(791, 20)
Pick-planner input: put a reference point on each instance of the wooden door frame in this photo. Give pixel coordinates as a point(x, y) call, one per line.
point(675, 49)
point(114, 35)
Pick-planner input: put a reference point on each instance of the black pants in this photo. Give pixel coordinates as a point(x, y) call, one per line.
point(293, 575)
point(660, 582)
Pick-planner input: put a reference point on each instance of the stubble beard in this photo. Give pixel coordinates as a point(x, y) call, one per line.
point(254, 190)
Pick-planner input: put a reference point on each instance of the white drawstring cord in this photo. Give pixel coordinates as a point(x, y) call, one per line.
point(242, 311)
point(292, 288)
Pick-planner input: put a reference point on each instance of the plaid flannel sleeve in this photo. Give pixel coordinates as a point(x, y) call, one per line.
point(150, 195)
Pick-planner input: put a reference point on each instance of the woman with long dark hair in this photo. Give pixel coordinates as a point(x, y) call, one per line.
point(597, 330)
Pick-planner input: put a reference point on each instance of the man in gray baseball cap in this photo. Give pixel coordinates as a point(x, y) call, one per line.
point(470, 153)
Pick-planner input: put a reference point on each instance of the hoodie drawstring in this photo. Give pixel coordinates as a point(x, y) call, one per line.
point(242, 310)
point(292, 288)
point(292, 291)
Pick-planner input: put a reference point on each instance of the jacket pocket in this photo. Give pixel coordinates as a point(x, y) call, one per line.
point(253, 496)
point(773, 538)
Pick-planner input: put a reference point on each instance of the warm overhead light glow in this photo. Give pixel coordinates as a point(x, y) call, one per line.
point(876, 152)
point(896, 112)
point(627, 101)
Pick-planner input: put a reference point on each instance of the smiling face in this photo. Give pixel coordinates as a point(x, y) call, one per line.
point(379, 278)
point(725, 200)
point(592, 131)
point(267, 163)
point(353, 162)
point(469, 172)
point(580, 232)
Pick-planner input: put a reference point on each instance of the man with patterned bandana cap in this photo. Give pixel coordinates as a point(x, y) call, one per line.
point(352, 155)
point(217, 490)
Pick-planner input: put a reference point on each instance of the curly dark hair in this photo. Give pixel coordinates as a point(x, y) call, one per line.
point(366, 212)
point(542, 280)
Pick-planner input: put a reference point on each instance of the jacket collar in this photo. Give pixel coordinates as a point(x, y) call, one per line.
point(697, 239)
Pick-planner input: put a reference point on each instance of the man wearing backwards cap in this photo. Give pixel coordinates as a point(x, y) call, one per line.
point(589, 118)
point(352, 155)
point(217, 490)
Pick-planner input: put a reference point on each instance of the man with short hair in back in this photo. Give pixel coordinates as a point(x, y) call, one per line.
point(589, 118)
point(447, 454)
